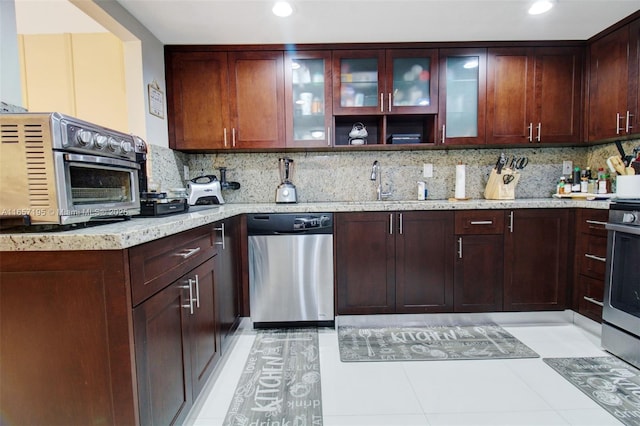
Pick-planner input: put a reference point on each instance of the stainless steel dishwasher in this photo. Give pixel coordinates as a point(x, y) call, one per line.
point(291, 269)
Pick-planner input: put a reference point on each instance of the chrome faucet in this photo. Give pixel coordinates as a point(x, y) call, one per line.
point(376, 175)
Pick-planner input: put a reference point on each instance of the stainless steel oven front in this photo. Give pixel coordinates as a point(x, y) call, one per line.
point(621, 310)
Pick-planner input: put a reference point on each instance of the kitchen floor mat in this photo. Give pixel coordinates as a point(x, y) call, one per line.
point(280, 382)
point(429, 343)
point(612, 383)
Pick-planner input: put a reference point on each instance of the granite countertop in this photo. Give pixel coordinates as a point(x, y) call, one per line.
point(121, 235)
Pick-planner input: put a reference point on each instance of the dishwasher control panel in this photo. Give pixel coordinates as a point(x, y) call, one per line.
point(282, 223)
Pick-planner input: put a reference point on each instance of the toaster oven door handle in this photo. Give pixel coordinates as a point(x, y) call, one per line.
point(80, 158)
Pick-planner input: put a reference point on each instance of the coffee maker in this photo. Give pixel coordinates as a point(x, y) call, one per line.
point(286, 191)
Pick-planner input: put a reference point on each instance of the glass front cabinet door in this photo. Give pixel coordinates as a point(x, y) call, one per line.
point(411, 84)
point(396, 81)
point(308, 85)
point(462, 96)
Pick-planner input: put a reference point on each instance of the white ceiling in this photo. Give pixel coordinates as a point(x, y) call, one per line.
point(337, 21)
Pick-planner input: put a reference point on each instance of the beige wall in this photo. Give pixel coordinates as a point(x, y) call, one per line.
point(77, 74)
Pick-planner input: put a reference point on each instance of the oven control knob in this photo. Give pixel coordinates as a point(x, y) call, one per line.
point(100, 141)
point(126, 147)
point(113, 145)
point(628, 218)
point(83, 137)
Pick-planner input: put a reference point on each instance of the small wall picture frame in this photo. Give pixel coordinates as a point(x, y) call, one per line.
point(156, 100)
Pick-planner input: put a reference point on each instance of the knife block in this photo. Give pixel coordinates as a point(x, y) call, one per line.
point(496, 189)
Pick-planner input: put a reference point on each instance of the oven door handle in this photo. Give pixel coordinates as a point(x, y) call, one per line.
point(634, 230)
point(79, 158)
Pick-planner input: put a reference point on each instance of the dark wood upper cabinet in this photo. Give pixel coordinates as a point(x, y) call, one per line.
point(613, 100)
point(256, 85)
point(198, 100)
point(225, 100)
point(533, 95)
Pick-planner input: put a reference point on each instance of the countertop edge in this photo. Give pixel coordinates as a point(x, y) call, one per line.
point(125, 234)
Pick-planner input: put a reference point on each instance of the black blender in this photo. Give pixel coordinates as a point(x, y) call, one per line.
point(286, 191)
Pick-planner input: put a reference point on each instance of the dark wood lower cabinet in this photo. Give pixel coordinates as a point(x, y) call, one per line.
point(78, 345)
point(479, 265)
point(227, 277)
point(590, 261)
point(536, 260)
point(163, 356)
point(394, 262)
point(479, 273)
point(365, 263)
point(66, 346)
point(424, 262)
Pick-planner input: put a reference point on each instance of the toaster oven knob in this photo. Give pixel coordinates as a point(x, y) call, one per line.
point(83, 137)
point(126, 147)
point(113, 145)
point(100, 141)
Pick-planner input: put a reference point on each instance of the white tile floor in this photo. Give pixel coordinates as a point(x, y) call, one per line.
point(485, 392)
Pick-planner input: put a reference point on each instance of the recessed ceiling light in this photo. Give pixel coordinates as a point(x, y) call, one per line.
point(282, 9)
point(540, 6)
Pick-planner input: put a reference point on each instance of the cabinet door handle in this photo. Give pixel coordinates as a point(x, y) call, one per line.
point(381, 102)
point(530, 128)
point(618, 128)
point(221, 229)
point(187, 253)
point(389, 101)
point(329, 136)
point(594, 257)
point(459, 247)
point(224, 132)
point(190, 287)
point(539, 132)
point(197, 292)
point(628, 127)
point(511, 221)
point(443, 133)
point(233, 137)
point(592, 300)
point(390, 223)
point(400, 223)
point(481, 222)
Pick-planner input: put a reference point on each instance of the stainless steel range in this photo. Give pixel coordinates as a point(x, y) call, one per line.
point(621, 310)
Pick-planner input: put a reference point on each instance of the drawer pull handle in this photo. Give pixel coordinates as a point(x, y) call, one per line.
point(596, 222)
point(481, 222)
point(187, 253)
point(594, 301)
point(594, 257)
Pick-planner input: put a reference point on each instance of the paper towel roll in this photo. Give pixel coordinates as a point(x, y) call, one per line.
point(460, 181)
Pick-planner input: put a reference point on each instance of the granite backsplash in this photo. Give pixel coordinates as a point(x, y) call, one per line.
point(344, 175)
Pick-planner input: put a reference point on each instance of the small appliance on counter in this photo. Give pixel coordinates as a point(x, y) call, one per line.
point(207, 189)
point(153, 203)
point(286, 191)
